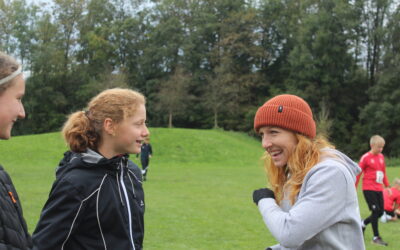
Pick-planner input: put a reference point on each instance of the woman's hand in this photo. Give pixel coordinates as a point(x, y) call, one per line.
point(261, 194)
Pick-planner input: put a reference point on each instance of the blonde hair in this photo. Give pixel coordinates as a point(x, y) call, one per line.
point(83, 129)
point(376, 139)
point(290, 178)
point(396, 182)
point(7, 66)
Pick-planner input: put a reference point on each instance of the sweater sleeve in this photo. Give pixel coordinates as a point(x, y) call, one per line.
point(358, 179)
point(59, 217)
point(275, 247)
point(321, 205)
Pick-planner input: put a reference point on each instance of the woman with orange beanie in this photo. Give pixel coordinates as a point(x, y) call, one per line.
point(312, 203)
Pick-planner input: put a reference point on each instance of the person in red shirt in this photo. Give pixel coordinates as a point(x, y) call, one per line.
point(373, 167)
point(391, 201)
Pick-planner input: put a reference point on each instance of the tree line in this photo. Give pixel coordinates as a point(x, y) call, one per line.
point(212, 63)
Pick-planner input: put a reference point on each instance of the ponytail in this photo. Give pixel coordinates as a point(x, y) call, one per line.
point(79, 133)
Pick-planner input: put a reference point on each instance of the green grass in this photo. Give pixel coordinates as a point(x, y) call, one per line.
point(198, 193)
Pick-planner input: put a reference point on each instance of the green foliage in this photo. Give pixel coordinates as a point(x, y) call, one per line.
point(392, 162)
point(173, 95)
point(340, 56)
point(380, 115)
point(320, 65)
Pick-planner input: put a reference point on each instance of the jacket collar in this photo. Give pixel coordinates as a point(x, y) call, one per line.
point(89, 159)
point(92, 157)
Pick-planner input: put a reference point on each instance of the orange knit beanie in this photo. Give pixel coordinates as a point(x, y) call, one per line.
point(286, 111)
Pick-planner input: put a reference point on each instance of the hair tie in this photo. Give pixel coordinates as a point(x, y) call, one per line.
point(12, 76)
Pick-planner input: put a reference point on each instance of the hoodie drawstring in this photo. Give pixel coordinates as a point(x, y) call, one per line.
point(133, 189)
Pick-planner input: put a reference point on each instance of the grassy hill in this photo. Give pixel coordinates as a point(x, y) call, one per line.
point(198, 192)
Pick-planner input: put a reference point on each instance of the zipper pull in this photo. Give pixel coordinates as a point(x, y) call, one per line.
point(12, 197)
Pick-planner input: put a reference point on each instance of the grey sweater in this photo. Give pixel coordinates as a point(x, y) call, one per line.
point(325, 214)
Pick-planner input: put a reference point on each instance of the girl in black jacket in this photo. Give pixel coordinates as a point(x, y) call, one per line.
point(13, 230)
point(97, 200)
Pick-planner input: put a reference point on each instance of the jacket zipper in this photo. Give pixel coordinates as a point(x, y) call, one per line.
point(119, 191)
point(127, 204)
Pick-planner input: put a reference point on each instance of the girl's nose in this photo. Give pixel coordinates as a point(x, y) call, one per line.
point(21, 114)
point(146, 131)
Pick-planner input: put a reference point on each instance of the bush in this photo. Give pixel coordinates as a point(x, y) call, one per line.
point(392, 162)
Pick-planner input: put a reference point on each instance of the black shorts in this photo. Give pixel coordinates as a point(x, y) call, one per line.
point(374, 200)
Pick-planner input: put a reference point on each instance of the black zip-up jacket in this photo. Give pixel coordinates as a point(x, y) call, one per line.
point(95, 203)
point(13, 231)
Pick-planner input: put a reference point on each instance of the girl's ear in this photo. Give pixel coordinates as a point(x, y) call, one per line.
point(109, 126)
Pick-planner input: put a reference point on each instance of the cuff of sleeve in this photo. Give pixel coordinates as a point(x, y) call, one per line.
point(265, 202)
point(275, 247)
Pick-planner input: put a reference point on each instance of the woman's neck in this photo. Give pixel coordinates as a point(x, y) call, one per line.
point(107, 152)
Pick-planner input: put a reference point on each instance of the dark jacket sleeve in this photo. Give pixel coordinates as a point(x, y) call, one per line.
point(13, 230)
point(150, 150)
point(59, 217)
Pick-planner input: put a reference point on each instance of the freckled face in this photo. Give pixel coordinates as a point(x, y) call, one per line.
point(131, 133)
point(11, 108)
point(279, 143)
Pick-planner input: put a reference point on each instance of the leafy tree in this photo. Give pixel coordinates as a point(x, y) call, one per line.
point(234, 59)
point(380, 115)
point(67, 14)
point(221, 58)
point(376, 13)
point(6, 26)
point(94, 32)
point(321, 65)
point(173, 95)
point(18, 25)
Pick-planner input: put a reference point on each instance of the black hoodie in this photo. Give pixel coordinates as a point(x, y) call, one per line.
point(91, 207)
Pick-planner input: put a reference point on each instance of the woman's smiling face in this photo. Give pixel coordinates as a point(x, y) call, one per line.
point(279, 143)
point(11, 108)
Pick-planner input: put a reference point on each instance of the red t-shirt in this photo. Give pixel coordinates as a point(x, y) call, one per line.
point(374, 170)
point(389, 200)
